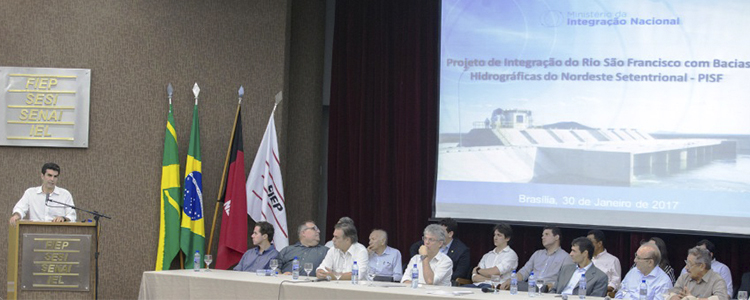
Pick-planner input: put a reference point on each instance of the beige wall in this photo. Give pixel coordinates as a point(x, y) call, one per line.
point(134, 49)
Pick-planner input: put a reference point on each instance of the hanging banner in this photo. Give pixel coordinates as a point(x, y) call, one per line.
point(44, 107)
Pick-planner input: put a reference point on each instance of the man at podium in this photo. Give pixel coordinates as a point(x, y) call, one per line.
point(35, 200)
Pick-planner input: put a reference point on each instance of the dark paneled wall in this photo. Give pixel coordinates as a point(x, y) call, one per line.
point(134, 49)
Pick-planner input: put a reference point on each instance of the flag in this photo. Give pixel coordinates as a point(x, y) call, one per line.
point(193, 236)
point(233, 235)
point(265, 189)
point(169, 222)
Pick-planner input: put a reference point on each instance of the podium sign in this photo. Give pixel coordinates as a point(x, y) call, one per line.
point(56, 262)
point(51, 260)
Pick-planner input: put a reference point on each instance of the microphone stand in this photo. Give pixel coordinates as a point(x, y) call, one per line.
point(97, 215)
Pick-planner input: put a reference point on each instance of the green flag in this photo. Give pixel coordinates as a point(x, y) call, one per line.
point(193, 236)
point(169, 223)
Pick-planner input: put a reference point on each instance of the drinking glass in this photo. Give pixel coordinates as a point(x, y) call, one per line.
point(337, 272)
point(539, 285)
point(494, 280)
point(308, 269)
point(742, 295)
point(208, 259)
point(274, 264)
point(371, 276)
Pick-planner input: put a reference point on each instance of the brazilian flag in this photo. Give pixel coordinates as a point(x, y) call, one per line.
point(193, 234)
point(169, 223)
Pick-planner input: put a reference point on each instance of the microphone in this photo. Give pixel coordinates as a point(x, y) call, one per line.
point(322, 279)
point(46, 201)
point(487, 290)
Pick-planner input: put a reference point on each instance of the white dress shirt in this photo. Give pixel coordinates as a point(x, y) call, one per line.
point(505, 261)
point(34, 204)
point(610, 265)
point(573, 282)
point(442, 267)
point(344, 260)
point(723, 271)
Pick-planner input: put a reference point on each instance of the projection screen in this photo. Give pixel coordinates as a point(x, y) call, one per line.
point(596, 113)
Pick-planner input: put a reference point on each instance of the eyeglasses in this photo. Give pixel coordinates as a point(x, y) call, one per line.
point(689, 265)
point(431, 240)
point(642, 258)
point(313, 228)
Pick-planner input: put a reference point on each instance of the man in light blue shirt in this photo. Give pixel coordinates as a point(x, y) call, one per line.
point(545, 263)
point(384, 261)
point(647, 260)
point(260, 256)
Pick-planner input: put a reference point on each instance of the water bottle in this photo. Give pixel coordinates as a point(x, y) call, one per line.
point(295, 268)
point(414, 277)
point(355, 273)
point(197, 261)
point(582, 287)
point(532, 285)
point(513, 283)
point(642, 290)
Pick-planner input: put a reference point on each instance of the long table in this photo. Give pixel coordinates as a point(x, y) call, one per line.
point(222, 284)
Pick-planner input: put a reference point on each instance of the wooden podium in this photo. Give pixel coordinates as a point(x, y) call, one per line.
point(51, 260)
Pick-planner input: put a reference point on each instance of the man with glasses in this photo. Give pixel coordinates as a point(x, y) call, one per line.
point(385, 261)
point(346, 250)
point(699, 282)
point(716, 266)
point(454, 248)
point(307, 250)
point(647, 260)
point(435, 268)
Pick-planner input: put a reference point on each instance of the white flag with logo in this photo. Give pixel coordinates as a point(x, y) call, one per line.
point(265, 189)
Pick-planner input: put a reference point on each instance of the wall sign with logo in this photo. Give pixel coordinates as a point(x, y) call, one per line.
point(44, 107)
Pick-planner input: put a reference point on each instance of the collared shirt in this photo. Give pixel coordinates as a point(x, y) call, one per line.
point(505, 261)
point(610, 265)
point(34, 204)
point(573, 283)
point(441, 265)
point(314, 255)
point(723, 271)
point(545, 266)
point(254, 260)
point(344, 260)
point(387, 264)
point(710, 286)
point(657, 284)
point(445, 248)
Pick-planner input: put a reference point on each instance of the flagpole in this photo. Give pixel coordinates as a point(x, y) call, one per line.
point(222, 185)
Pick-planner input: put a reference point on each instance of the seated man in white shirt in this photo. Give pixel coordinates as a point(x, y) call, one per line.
point(344, 219)
point(385, 261)
point(345, 252)
point(501, 260)
point(435, 268)
point(581, 251)
point(34, 201)
point(716, 266)
point(606, 262)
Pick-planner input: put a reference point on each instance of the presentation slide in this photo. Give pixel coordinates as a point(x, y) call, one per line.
point(620, 114)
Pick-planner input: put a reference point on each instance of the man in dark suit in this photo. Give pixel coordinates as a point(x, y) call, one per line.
point(581, 251)
point(454, 248)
